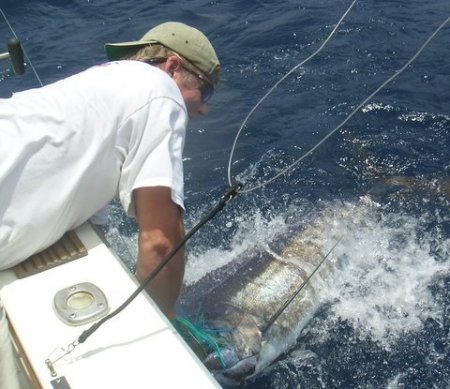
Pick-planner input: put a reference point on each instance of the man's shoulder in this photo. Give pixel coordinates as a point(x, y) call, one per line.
point(136, 75)
point(129, 70)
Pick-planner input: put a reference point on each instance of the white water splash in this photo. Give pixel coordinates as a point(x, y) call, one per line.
point(253, 232)
point(381, 273)
point(381, 287)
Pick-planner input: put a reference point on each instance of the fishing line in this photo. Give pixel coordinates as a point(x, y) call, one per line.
point(276, 85)
point(296, 162)
point(278, 313)
point(24, 52)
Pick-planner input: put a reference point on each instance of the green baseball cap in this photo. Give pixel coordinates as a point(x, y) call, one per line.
point(184, 40)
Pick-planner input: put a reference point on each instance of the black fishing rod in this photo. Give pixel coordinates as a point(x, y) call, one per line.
point(15, 54)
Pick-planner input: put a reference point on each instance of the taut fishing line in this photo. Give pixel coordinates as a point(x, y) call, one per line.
point(274, 87)
point(398, 72)
point(296, 162)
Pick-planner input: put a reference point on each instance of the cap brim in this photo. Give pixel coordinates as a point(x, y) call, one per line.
point(116, 51)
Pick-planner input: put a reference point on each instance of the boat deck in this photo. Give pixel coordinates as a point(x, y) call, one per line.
point(138, 348)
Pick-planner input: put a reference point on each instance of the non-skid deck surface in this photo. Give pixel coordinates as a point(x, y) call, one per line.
point(68, 248)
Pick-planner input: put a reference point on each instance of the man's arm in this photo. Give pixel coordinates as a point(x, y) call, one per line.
point(160, 230)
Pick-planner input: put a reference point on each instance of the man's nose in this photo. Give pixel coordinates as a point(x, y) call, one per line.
point(203, 110)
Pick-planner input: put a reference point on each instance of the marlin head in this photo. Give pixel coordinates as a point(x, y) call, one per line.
point(241, 340)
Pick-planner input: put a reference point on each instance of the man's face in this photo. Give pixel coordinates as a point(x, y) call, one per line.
point(191, 90)
point(195, 90)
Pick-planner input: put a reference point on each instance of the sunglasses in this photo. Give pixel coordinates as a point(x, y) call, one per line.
point(206, 89)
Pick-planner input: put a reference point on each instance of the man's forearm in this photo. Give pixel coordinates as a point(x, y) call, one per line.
point(160, 231)
point(166, 286)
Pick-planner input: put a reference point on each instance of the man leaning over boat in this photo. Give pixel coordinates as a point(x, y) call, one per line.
point(68, 148)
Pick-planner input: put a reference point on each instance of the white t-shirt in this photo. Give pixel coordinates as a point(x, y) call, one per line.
point(68, 148)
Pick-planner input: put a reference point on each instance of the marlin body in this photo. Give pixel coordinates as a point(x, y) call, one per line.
point(260, 301)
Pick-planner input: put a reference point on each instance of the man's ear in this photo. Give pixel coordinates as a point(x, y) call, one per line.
point(172, 65)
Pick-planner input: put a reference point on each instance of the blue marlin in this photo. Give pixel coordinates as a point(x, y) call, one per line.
point(259, 302)
point(264, 298)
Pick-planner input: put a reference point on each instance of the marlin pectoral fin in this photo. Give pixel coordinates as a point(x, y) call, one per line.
point(228, 357)
point(238, 373)
point(242, 369)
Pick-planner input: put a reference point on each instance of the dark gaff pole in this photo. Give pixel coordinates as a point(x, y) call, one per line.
point(15, 54)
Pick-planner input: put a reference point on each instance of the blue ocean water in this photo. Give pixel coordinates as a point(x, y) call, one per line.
point(384, 321)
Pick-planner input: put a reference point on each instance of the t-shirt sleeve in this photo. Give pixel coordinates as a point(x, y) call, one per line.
point(154, 156)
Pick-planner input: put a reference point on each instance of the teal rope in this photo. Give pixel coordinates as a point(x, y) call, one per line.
point(204, 337)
